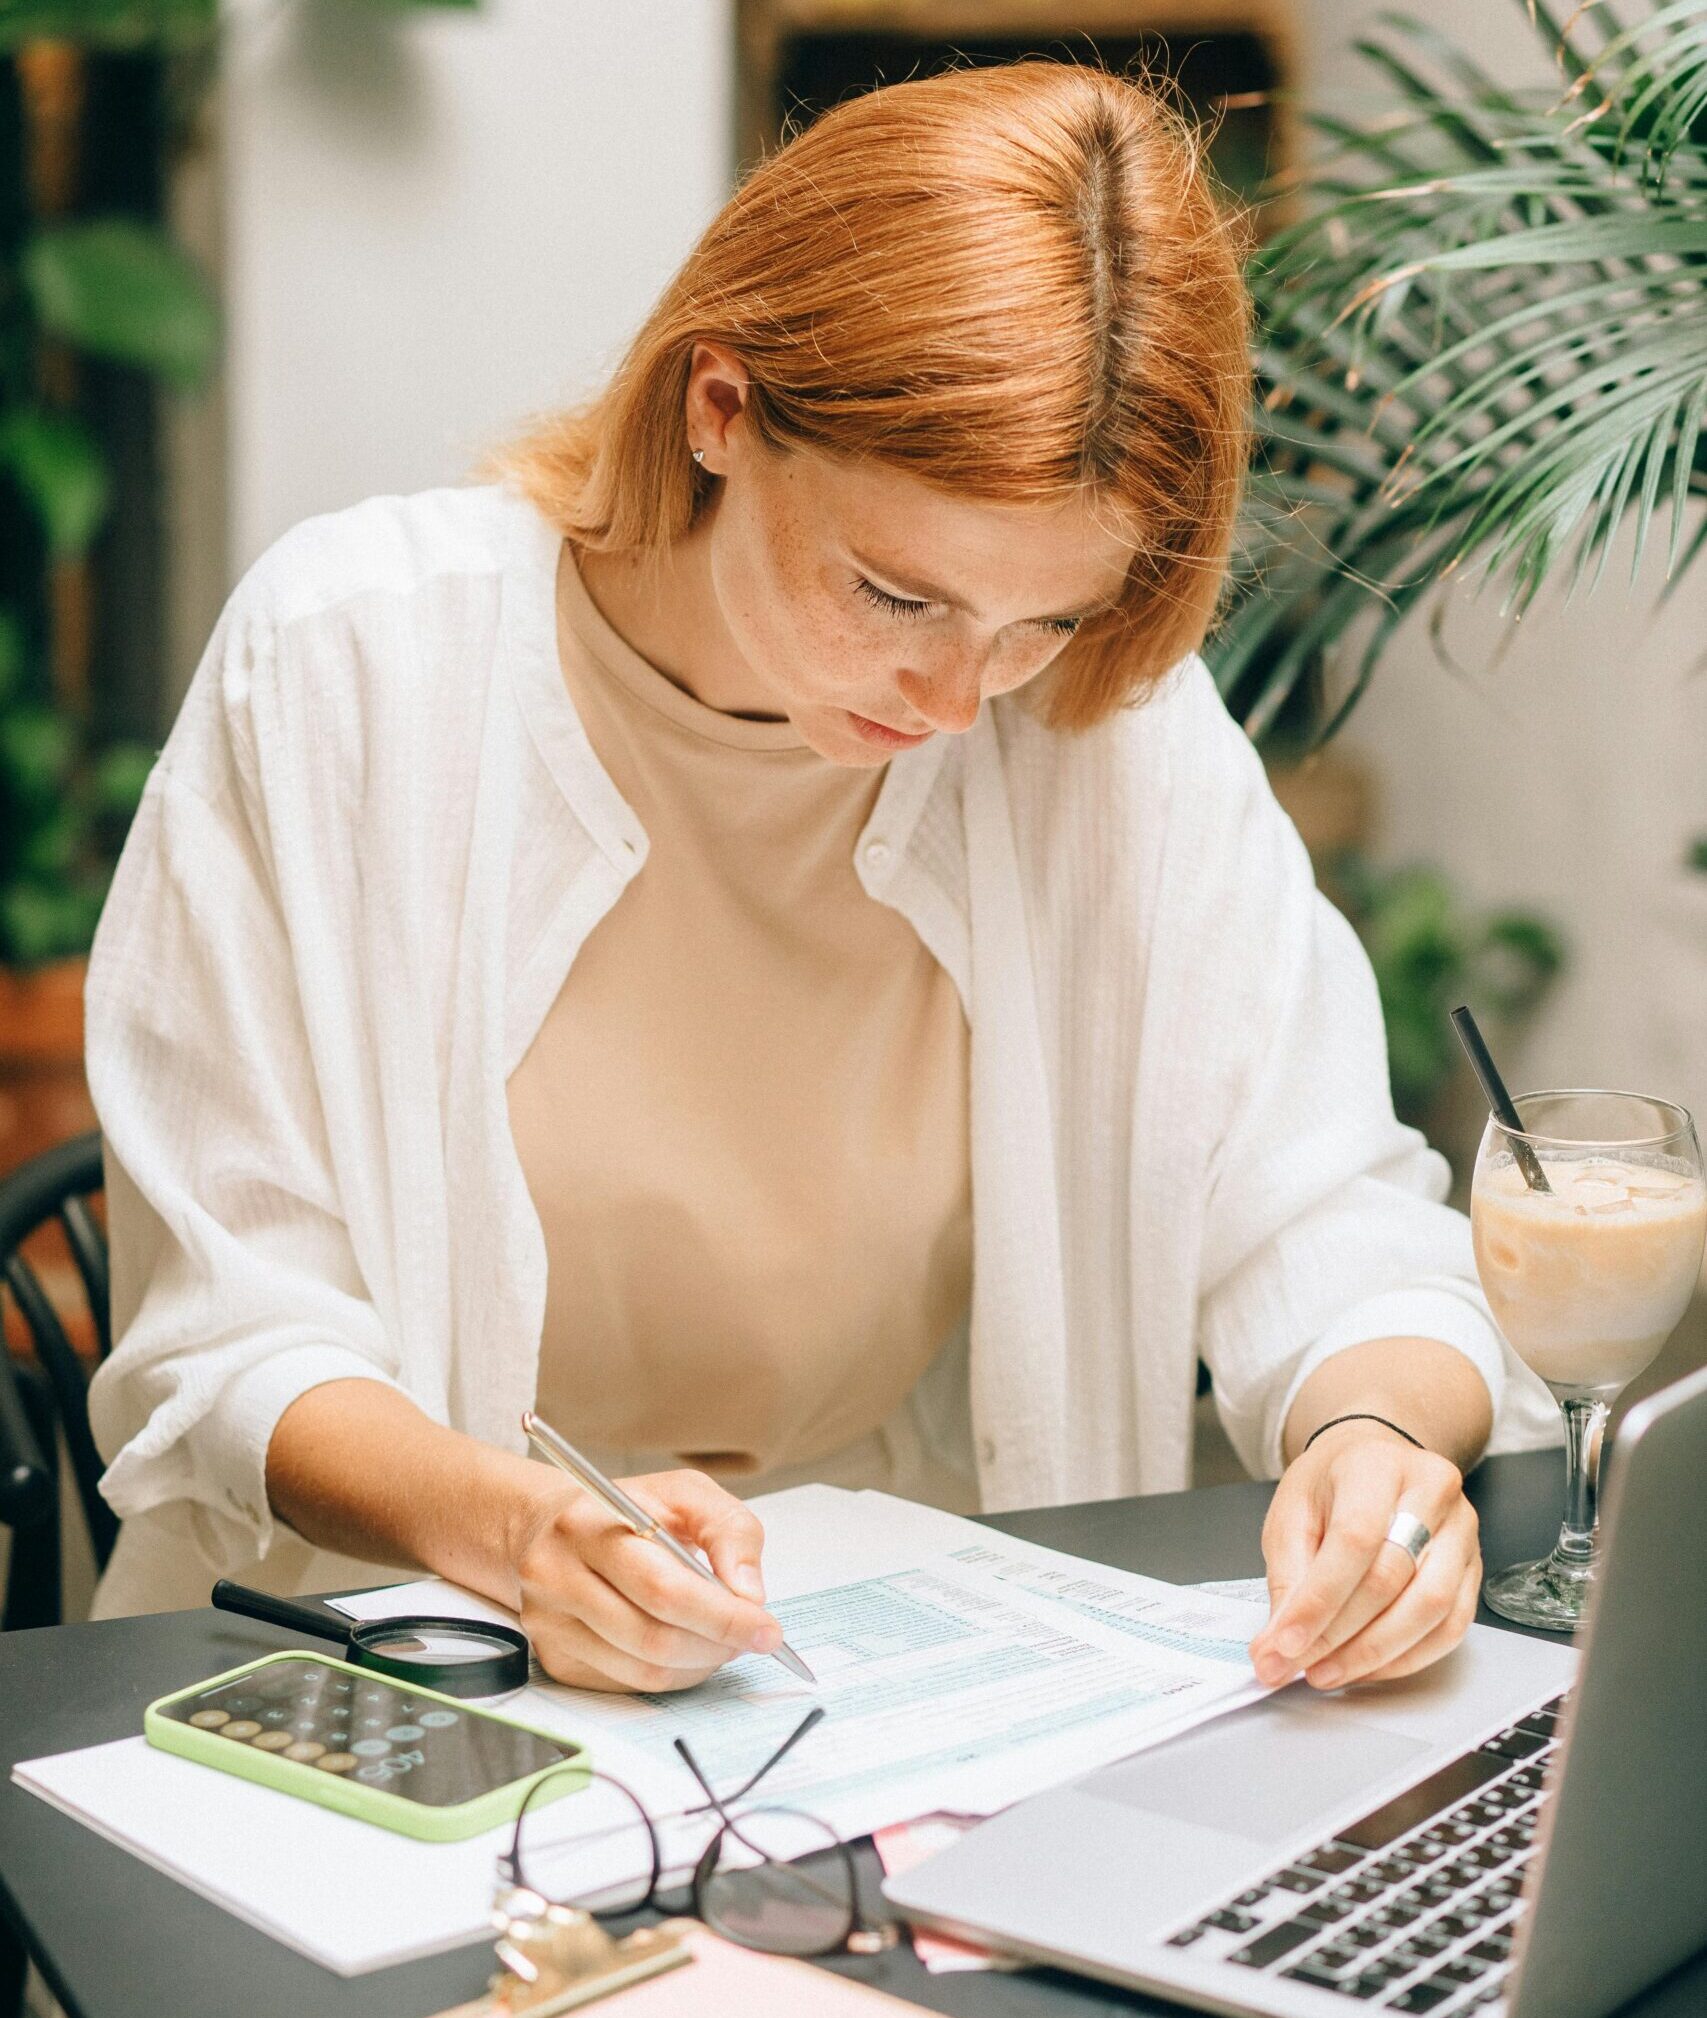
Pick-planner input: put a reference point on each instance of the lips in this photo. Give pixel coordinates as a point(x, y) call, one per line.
point(880, 732)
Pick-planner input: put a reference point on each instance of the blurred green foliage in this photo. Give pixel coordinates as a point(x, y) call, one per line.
point(1431, 950)
point(118, 289)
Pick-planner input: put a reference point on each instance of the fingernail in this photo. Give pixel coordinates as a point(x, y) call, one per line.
point(1291, 1642)
point(767, 1638)
point(747, 1581)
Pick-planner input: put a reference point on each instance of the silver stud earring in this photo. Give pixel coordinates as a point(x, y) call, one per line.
point(699, 455)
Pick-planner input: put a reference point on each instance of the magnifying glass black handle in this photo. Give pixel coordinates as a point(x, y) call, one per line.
point(230, 1597)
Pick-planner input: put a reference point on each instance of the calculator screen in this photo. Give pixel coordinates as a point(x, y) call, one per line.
point(363, 1727)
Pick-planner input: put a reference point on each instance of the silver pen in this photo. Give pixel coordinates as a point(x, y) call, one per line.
point(564, 1454)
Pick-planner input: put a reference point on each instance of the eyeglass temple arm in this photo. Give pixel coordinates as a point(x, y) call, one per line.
point(810, 1721)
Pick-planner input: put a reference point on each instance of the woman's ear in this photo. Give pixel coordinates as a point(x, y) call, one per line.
point(716, 403)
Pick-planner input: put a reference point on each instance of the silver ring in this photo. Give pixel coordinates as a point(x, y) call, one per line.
point(1410, 1534)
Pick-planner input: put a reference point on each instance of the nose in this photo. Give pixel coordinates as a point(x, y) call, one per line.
point(947, 699)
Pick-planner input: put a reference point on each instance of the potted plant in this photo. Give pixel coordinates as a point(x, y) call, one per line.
point(1482, 347)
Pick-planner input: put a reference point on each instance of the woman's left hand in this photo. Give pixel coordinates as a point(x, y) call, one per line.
point(1345, 1603)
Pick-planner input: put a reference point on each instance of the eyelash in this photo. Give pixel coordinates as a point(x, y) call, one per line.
point(897, 606)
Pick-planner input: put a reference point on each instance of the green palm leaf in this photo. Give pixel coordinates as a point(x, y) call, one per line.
point(1483, 348)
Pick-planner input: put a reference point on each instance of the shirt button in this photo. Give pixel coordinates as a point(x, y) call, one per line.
point(876, 854)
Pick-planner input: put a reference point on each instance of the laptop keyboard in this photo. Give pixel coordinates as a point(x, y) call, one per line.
point(1415, 1907)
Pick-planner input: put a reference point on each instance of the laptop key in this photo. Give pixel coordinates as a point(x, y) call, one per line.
point(1356, 1892)
point(1516, 1744)
point(1307, 1972)
point(1325, 1912)
point(1331, 1858)
point(1185, 1937)
point(1464, 1969)
point(1274, 1942)
point(1229, 1922)
point(1297, 1881)
point(1441, 1790)
point(1254, 1897)
point(1427, 1939)
point(1422, 1997)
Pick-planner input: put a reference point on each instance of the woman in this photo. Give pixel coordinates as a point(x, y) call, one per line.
point(695, 932)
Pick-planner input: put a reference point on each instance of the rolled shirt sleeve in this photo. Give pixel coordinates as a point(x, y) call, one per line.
point(1326, 1224)
point(235, 1283)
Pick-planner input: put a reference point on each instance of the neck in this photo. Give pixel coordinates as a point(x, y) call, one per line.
point(665, 607)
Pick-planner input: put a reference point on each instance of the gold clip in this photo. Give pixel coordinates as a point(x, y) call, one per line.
point(556, 1958)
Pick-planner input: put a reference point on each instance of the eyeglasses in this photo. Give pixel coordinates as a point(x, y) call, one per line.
point(770, 1878)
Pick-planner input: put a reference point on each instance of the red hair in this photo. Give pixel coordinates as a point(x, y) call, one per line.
point(1012, 282)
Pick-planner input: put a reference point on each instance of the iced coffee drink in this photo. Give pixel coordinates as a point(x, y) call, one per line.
point(1588, 1279)
point(1588, 1221)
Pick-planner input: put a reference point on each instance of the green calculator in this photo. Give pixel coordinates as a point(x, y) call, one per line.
point(428, 1765)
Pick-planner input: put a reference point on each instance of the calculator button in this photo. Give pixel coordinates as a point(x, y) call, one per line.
point(438, 1720)
point(242, 1728)
point(405, 1734)
point(305, 1750)
point(210, 1720)
point(272, 1741)
point(336, 1762)
point(371, 1748)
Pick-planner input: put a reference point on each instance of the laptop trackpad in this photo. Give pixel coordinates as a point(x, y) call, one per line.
point(1261, 1773)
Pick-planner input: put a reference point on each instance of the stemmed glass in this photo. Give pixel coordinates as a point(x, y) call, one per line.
point(1589, 1223)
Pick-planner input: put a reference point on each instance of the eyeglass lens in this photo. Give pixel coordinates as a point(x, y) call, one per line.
point(782, 1881)
point(566, 1851)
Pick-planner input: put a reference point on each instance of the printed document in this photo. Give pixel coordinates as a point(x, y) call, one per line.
point(960, 1670)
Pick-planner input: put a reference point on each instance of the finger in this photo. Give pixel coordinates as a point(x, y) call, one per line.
point(1437, 1500)
point(570, 1651)
point(1356, 1527)
point(1449, 1569)
point(699, 1511)
point(1291, 1534)
point(615, 1618)
point(1445, 1636)
point(665, 1589)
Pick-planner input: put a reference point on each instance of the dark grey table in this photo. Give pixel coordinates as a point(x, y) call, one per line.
point(117, 1940)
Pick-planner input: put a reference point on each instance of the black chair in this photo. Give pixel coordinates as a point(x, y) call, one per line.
point(41, 1402)
point(38, 1403)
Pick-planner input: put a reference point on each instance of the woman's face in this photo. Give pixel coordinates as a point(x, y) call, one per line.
point(874, 610)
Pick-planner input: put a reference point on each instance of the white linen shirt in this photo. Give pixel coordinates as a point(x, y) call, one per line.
point(374, 843)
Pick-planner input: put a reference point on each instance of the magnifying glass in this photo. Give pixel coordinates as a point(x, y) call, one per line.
point(458, 1657)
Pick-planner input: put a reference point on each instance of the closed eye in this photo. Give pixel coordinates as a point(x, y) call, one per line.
point(897, 606)
point(901, 606)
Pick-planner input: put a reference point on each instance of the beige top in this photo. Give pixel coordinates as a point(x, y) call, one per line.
point(744, 1121)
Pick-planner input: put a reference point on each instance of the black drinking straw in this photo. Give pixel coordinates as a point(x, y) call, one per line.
point(1493, 1086)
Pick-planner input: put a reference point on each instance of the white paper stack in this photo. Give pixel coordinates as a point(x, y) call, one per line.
point(960, 1670)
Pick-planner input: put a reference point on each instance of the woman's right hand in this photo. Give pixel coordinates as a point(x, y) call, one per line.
point(606, 1610)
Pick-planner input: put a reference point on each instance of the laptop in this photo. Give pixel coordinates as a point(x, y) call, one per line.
point(1517, 1831)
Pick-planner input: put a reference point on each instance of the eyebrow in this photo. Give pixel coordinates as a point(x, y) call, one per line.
point(929, 592)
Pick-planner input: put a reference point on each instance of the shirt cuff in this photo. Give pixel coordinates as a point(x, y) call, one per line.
point(1453, 1315)
point(239, 1430)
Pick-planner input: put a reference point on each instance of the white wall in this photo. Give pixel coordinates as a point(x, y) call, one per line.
point(438, 222)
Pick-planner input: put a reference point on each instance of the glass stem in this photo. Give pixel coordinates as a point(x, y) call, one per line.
point(1585, 1425)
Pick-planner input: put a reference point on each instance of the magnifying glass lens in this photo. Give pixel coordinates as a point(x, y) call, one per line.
point(438, 1647)
point(459, 1657)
